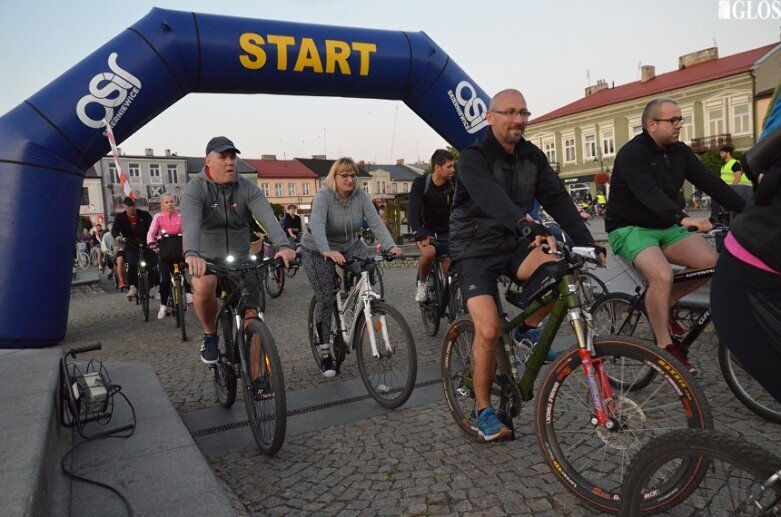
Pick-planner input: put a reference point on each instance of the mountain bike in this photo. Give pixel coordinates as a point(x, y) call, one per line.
point(384, 346)
point(170, 251)
point(443, 295)
point(589, 419)
point(248, 351)
point(727, 476)
point(273, 278)
point(81, 257)
point(146, 271)
point(625, 314)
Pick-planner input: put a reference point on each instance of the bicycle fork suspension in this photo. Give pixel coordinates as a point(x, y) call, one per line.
point(599, 389)
point(372, 328)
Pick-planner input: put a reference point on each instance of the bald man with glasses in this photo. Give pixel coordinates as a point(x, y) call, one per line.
point(646, 221)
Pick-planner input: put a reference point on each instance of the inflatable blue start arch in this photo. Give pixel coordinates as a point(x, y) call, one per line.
point(48, 141)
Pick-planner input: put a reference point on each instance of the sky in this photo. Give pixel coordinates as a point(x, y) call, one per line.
point(550, 50)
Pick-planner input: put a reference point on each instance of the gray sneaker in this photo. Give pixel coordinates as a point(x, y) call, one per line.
point(210, 348)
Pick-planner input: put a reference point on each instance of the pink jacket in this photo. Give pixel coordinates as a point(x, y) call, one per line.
point(172, 225)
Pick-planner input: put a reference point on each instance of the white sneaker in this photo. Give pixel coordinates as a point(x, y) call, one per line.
point(131, 292)
point(188, 298)
point(163, 312)
point(420, 294)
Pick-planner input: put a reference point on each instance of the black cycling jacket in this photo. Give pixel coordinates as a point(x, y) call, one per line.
point(646, 187)
point(495, 190)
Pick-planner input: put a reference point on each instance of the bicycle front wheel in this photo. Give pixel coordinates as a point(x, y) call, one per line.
point(143, 293)
point(264, 396)
point(82, 260)
point(747, 390)
point(389, 378)
point(733, 472)
point(591, 460)
point(429, 310)
point(223, 371)
point(180, 306)
point(275, 281)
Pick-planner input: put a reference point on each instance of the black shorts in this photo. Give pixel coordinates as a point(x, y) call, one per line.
point(478, 275)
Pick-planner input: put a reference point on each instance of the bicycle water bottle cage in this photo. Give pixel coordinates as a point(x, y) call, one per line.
point(542, 280)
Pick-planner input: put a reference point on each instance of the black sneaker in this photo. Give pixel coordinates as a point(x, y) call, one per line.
point(682, 355)
point(327, 366)
point(261, 388)
point(210, 350)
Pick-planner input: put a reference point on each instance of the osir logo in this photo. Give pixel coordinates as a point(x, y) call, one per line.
point(109, 90)
point(471, 109)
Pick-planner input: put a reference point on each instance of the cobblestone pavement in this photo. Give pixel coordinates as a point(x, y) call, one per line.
point(411, 461)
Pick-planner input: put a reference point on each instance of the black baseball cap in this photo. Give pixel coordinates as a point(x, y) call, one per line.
point(220, 144)
point(128, 201)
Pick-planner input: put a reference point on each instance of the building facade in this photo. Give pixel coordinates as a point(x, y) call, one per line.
point(722, 100)
point(286, 182)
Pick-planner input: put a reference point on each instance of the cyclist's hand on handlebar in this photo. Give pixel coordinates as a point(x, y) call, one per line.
point(196, 265)
point(335, 256)
point(396, 251)
point(548, 241)
point(287, 255)
point(701, 224)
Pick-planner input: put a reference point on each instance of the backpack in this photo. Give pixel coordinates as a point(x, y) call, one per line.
point(428, 185)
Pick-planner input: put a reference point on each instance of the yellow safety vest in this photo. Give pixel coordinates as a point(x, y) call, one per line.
point(728, 176)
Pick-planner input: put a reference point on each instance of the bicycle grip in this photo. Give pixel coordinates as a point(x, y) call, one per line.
point(88, 348)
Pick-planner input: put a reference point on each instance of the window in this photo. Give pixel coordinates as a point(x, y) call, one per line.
point(85, 196)
point(549, 146)
point(382, 187)
point(305, 189)
point(264, 188)
point(394, 188)
point(134, 172)
point(113, 173)
point(278, 189)
point(687, 130)
point(714, 114)
point(636, 130)
point(608, 142)
point(154, 173)
point(634, 126)
point(741, 119)
point(569, 149)
point(405, 187)
point(291, 189)
point(172, 175)
point(589, 147)
point(366, 187)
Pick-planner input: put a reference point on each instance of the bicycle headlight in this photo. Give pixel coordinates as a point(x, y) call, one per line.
point(253, 257)
point(229, 259)
point(143, 264)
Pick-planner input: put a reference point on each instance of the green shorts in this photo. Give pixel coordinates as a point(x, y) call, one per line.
point(628, 241)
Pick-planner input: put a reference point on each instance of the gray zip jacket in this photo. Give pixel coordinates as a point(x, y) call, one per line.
point(335, 221)
point(216, 217)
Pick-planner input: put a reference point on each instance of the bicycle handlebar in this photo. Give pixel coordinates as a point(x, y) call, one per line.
point(383, 256)
point(244, 267)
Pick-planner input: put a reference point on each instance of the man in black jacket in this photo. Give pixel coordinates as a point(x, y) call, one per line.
point(499, 177)
point(645, 216)
point(134, 224)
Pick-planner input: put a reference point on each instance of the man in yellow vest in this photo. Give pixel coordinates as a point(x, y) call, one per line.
point(732, 174)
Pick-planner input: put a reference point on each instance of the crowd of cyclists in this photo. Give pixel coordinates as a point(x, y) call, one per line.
point(489, 214)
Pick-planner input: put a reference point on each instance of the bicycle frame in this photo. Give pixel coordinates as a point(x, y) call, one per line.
point(568, 305)
point(361, 293)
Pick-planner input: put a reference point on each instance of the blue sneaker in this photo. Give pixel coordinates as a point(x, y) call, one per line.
point(527, 340)
point(210, 350)
point(489, 427)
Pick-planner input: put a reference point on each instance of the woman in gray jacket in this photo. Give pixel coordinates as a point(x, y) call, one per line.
point(337, 213)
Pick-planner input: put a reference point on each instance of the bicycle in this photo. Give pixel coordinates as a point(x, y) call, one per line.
point(731, 476)
point(381, 338)
point(81, 258)
point(625, 314)
point(250, 354)
point(589, 419)
point(170, 249)
point(144, 275)
point(443, 295)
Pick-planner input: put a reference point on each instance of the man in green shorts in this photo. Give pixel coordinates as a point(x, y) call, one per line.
point(645, 218)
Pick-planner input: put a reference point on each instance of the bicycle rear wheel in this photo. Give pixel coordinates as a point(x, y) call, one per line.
point(143, 292)
point(340, 349)
point(93, 256)
point(747, 390)
point(389, 378)
point(266, 405)
point(224, 372)
point(733, 472)
point(82, 260)
point(590, 460)
point(456, 374)
point(429, 310)
point(275, 281)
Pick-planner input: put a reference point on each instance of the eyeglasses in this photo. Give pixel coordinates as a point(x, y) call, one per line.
point(672, 120)
point(511, 114)
point(346, 175)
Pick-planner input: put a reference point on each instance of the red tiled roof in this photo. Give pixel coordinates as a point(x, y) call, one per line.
point(280, 169)
point(695, 74)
